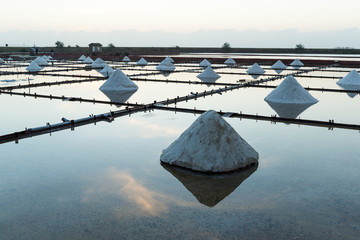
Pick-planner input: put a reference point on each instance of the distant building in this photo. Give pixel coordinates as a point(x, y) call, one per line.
point(95, 47)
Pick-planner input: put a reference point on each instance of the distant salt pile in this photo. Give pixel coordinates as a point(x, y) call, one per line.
point(88, 60)
point(82, 58)
point(126, 59)
point(10, 59)
point(166, 66)
point(118, 81)
point(208, 75)
point(49, 57)
point(33, 67)
point(98, 63)
point(350, 82)
point(205, 63)
point(168, 58)
point(230, 62)
point(2, 61)
point(279, 65)
point(44, 57)
point(290, 91)
point(41, 62)
point(297, 63)
point(255, 70)
point(142, 62)
point(107, 71)
point(210, 144)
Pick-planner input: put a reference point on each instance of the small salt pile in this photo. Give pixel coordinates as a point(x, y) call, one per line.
point(98, 63)
point(82, 58)
point(230, 62)
point(33, 67)
point(88, 60)
point(41, 62)
point(10, 59)
point(208, 75)
point(166, 66)
point(255, 69)
point(350, 82)
point(297, 64)
point(142, 62)
point(205, 63)
point(279, 66)
point(210, 144)
point(107, 71)
point(126, 59)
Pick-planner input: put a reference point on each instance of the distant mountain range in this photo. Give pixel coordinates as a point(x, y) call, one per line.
point(206, 38)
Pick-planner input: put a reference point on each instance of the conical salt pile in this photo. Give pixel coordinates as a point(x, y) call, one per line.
point(290, 92)
point(208, 75)
point(88, 60)
point(33, 67)
point(166, 66)
point(45, 57)
point(98, 63)
point(126, 59)
point(205, 63)
point(142, 62)
point(118, 82)
point(2, 61)
point(168, 58)
point(10, 59)
point(41, 62)
point(107, 71)
point(82, 58)
point(279, 65)
point(297, 63)
point(352, 78)
point(255, 69)
point(230, 61)
point(210, 144)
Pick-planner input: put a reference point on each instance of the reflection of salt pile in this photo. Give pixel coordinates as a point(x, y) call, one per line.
point(350, 82)
point(41, 62)
point(166, 66)
point(289, 99)
point(33, 67)
point(88, 60)
point(230, 62)
point(98, 63)
point(209, 189)
point(107, 71)
point(210, 144)
point(119, 96)
point(205, 63)
point(82, 58)
point(142, 62)
point(126, 59)
point(279, 66)
point(208, 75)
point(297, 64)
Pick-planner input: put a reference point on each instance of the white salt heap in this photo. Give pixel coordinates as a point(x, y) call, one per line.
point(118, 82)
point(126, 59)
point(205, 63)
point(10, 59)
point(166, 66)
point(98, 63)
point(290, 92)
point(208, 75)
point(107, 71)
point(255, 69)
point(279, 65)
point(33, 67)
point(169, 59)
point(41, 62)
point(88, 60)
point(142, 62)
point(230, 61)
point(297, 63)
point(210, 144)
point(352, 78)
point(82, 58)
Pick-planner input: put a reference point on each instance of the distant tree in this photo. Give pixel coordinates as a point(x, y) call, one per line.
point(77, 46)
point(69, 46)
point(299, 47)
point(111, 45)
point(59, 44)
point(226, 46)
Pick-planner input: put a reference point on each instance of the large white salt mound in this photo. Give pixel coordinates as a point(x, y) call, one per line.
point(82, 58)
point(166, 66)
point(107, 71)
point(205, 63)
point(255, 69)
point(279, 65)
point(33, 67)
point(98, 63)
point(118, 81)
point(230, 61)
point(41, 62)
point(297, 63)
point(210, 144)
point(2, 61)
point(88, 60)
point(352, 78)
point(290, 91)
point(142, 62)
point(126, 59)
point(208, 75)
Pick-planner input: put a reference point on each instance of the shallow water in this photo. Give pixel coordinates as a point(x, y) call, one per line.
point(105, 181)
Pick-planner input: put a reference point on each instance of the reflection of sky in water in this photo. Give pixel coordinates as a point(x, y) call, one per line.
point(106, 181)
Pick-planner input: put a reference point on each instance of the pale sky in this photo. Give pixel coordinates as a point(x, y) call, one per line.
point(179, 16)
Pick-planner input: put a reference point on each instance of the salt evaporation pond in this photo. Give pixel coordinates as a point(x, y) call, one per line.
point(105, 181)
